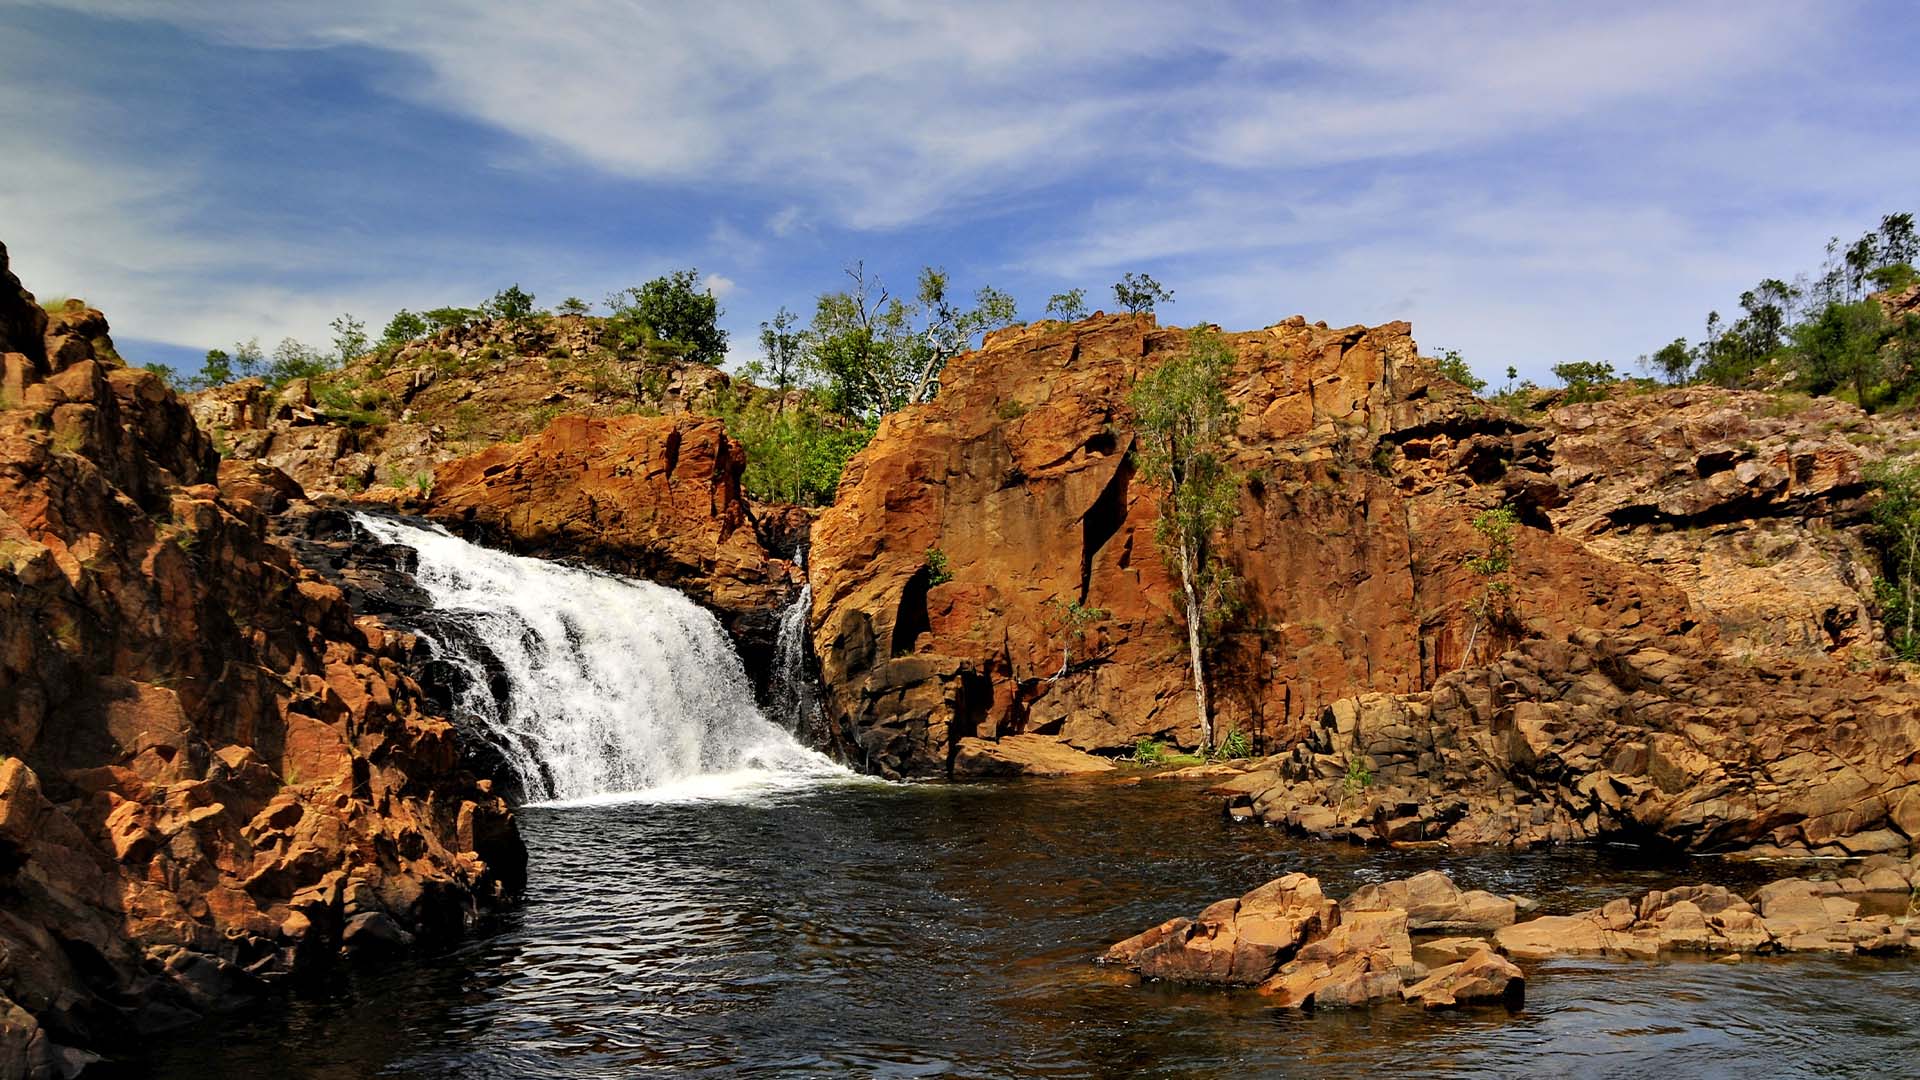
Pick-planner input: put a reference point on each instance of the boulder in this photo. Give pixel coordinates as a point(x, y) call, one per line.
point(1232, 942)
point(1482, 977)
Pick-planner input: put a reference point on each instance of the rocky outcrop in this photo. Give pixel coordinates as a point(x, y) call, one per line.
point(212, 774)
point(1752, 504)
point(1867, 914)
point(1603, 736)
point(650, 497)
point(989, 568)
point(384, 422)
point(1303, 950)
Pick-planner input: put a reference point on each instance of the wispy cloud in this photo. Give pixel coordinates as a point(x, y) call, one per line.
point(1519, 179)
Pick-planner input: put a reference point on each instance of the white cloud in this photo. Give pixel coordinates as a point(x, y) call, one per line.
point(719, 285)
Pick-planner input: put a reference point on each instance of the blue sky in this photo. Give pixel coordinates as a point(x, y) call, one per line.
point(1526, 183)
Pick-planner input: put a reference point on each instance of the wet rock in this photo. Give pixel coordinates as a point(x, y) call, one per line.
point(1434, 904)
point(1234, 942)
point(1483, 977)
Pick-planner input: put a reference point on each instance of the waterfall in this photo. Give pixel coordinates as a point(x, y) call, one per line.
point(593, 685)
point(796, 696)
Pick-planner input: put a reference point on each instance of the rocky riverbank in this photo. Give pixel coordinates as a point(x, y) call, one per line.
point(213, 776)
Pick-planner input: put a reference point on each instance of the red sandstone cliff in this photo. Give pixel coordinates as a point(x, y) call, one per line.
point(211, 774)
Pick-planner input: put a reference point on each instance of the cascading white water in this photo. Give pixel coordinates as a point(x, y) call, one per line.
point(611, 686)
point(796, 698)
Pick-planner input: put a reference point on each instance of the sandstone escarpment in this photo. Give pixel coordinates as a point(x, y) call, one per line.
point(212, 775)
point(971, 532)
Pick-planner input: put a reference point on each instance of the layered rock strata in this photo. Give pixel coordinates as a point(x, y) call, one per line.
point(212, 774)
point(1634, 737)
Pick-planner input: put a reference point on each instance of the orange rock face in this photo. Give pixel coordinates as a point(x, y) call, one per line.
point(209, 769)
point(965, 534)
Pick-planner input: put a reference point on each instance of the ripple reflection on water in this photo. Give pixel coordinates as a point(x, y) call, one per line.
point(946, 931)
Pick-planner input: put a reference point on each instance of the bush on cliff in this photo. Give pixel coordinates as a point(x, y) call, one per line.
point(1896, 521)
point(668, 317)
point(795, 449)
point(873, 352)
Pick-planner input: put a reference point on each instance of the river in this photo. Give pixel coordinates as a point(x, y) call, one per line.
point(857, 929)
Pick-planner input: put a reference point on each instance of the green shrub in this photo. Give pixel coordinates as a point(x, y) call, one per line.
point(1012, 410)
point(1148, 751)
point(1235, 746)
point(938, 572)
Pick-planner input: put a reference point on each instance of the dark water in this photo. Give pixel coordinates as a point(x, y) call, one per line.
point(946, 931)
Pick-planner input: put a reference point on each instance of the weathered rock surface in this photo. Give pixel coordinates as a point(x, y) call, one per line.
point(1854, 915)
point(1025, 755)
point(209, 767)
point(1483, 977)
point(383, 423)
point(1618, 736)
point(1235, 942)
point(1305, 951)
point(1749, 502)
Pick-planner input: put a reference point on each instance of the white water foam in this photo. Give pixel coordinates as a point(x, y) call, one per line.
point(613, 689)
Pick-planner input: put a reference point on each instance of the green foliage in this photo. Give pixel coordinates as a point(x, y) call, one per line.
point(1235, 746)
point(1358, 777)
point(215, 370)
point(668, 317)
point(1841, 347)
point(1674, 361)
point(1076, 618)
point(1497, 529)
point(1586, 380)
point(1012, 409)
point(1148, 751)
point(349, 338)
point(938, 571)
point(1896, 530)
point(1450, 365)
point(294, 360)
point(405, 326)
point(781, 350)
point(1140, 293)
point(1069, 306)
point(450, 318)
point(874, 352)
point(167, 375)
point(1182, 419)
point(1822, 327)
point(794, 454)
point(573, 305)
point(512, 303)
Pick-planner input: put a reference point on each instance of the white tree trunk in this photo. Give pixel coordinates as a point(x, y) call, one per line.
point(1193, 648)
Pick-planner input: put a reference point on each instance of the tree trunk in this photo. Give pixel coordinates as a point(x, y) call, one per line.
point(1193, 647)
